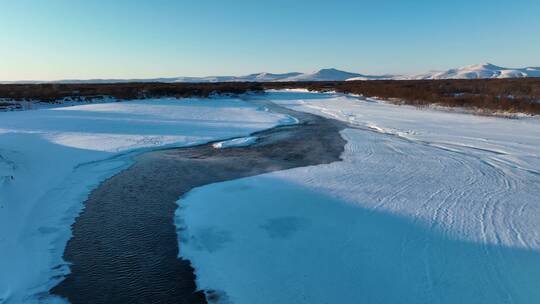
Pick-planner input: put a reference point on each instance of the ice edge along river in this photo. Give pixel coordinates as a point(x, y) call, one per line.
point(50, 159)
point(426, 207)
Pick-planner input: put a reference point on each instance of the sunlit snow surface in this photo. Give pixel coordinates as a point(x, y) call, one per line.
point(51, 158)
point(426, 207)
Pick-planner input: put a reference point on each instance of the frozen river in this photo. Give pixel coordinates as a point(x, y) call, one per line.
point(359, 201)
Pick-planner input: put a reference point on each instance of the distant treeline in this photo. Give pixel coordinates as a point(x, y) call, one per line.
point(52, 92)
point(489, 95)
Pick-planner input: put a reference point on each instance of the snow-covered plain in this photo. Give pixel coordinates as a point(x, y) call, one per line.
point(51, 158)
point(426, 207)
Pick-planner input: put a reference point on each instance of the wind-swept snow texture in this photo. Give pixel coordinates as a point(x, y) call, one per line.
point(426, 207)
point(51, 158)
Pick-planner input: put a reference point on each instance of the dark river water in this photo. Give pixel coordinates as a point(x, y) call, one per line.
point(124, 247)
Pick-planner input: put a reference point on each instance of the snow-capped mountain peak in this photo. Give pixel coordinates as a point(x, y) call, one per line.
point(331, 74)
point(264, 76)
point(484, 66)
point(323, 74)
point(478, 71)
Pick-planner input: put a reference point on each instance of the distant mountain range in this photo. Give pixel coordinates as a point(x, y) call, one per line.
point(477, 71)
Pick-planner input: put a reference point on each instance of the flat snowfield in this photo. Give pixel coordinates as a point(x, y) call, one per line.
point(426, 207)
point(50, 159)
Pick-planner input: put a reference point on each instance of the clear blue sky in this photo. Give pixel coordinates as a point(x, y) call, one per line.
point(57, 39)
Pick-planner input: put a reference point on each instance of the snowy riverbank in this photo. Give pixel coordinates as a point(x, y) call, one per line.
point(426, 206)
point(50, 159)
